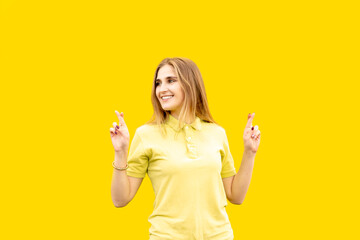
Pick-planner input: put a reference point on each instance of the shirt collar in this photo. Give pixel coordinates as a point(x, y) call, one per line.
point(174, 123)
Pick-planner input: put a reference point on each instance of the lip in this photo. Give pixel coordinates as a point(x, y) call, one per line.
point(165, 100)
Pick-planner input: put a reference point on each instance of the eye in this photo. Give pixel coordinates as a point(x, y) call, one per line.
point(170, 81)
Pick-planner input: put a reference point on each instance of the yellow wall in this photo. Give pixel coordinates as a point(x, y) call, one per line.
point(66, 66)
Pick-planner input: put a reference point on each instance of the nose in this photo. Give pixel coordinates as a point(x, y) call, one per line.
point(163, 88)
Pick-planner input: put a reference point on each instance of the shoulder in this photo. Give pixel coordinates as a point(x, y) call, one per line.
point(146, 129)
point(213, 128)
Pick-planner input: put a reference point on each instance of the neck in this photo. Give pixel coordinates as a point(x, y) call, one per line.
point(188, 119)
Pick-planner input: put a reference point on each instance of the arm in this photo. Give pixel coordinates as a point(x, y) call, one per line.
point(241, 180)
point(123, 187)
point(236, 186)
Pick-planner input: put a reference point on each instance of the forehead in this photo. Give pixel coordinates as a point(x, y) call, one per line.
point(166, 71)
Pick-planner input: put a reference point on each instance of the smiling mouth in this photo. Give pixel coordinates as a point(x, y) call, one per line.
point(166, 98)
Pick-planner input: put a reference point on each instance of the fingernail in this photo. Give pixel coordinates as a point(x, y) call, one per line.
point(252, 128)
point(117, 127)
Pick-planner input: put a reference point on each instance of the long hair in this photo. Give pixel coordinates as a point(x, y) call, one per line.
point(195, 100)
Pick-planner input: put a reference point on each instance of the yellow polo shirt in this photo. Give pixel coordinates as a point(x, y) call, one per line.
point(186, 169)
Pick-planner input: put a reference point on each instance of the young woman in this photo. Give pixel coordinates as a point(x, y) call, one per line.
point(186, 156)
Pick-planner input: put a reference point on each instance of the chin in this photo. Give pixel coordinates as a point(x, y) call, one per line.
point(167, 109)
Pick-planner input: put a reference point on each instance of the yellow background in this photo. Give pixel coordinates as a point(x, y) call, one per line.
point(67, 65)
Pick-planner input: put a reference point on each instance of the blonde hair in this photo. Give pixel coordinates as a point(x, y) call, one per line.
point(195, 100)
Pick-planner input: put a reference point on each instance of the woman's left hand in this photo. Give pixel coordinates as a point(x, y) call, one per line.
point(251, 136)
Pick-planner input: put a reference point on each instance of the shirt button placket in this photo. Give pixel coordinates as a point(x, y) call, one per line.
point(191, 147)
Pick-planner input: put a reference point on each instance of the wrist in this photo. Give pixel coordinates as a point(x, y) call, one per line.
point(249, 153)
point(120, 157)
point(121, 153)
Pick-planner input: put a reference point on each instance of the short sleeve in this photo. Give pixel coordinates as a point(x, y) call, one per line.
point(227, 161)
point(138, 159)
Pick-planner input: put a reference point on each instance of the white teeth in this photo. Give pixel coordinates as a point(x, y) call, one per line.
point(167, 97)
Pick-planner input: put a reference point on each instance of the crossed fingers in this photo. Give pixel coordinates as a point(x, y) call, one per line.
point(255, 132)
point(116, 128)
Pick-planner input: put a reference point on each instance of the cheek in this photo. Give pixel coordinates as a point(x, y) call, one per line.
point(181, 94)
point(179, 91)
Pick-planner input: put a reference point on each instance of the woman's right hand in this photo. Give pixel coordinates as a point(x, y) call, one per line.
point(120, 136)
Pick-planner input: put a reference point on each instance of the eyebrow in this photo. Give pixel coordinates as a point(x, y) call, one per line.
point(165, 78)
